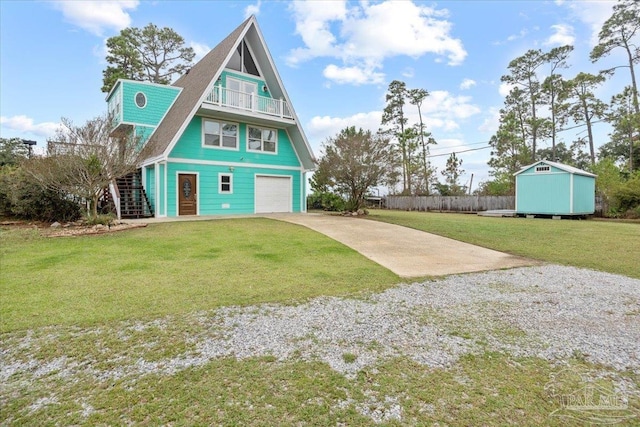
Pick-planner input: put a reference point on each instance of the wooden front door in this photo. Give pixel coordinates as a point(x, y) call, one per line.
point(187, 197)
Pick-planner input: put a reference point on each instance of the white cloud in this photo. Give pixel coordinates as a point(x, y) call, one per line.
point(591, 13)
point(200, 50)
point(98, 16)
point(25, 124)
point(523, 32)
point(467, 84)
point(408, 72)
point(563, 35)
point(365, 35)
point(505, 88)
point(252, 9)
point(491, 121)
point(352, 75)
point(322, 127)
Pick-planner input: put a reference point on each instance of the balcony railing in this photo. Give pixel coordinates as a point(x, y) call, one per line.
point(249, 102)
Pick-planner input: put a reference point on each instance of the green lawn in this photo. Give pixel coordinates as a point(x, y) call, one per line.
point(172, 268)
point(601, 245)
point(107, 302)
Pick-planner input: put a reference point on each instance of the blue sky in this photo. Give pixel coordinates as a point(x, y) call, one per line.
point(335, 58)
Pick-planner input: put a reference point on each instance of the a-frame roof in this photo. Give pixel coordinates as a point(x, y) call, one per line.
point(199, 81)
point(561, 166)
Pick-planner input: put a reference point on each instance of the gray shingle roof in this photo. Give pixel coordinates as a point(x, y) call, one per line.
point(193, 84)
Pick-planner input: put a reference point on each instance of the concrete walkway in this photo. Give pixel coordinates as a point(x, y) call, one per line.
point(405, 251)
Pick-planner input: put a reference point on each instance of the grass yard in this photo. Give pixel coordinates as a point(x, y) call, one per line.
point(108, 329)
point(172, 268)
point(600, 245)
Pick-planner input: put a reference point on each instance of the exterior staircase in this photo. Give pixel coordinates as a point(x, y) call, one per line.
point(134, 202)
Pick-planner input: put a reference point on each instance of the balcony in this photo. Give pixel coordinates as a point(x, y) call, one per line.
point(259, 106)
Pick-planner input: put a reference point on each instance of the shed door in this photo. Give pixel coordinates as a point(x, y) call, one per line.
point(273, 194)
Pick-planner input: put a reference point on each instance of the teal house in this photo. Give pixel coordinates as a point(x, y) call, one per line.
point(222, 139)
point(550, 188)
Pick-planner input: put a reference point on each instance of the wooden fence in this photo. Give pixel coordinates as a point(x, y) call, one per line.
point(450, 203)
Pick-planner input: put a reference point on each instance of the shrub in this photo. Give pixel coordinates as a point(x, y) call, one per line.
point(21, 196)
point(326, 201)
point(628, 194)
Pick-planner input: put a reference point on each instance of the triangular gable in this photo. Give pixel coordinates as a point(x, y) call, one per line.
point(199, 81)
point(561, 166)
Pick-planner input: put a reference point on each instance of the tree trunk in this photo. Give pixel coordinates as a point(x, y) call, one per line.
point(587, 120)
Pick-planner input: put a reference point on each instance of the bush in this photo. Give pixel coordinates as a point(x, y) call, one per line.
point(326, 201)
point(21, 196)
point(104, 219)
point(628, 194)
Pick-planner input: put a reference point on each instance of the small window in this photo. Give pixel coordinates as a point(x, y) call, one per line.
point(226, 183)
point(543, 169)
point(141, 100)
point(260, 139)
point(220, 134)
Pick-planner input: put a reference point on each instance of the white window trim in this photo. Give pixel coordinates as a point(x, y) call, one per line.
point(221, 147)
point(220, 190)
point(135, 99)
point(261, 140)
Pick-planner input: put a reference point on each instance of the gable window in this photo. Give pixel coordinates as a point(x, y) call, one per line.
point(225, 181)
point(260, 139)
point(242, 60)
point(543, 169)
point(141, 100)
point(220, 134)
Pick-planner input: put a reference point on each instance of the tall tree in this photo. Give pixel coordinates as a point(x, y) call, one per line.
point(150, 54)
point(553, 86)
point(452, 173)
point(624, 146)
point(523, 74)
point(394, 116)
point(583, 106)
point(83, 160)
point(509, 150)
point(619, 31)
point(416, 97)
point(356, 161)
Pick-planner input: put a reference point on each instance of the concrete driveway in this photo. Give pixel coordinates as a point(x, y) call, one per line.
point(405, 251)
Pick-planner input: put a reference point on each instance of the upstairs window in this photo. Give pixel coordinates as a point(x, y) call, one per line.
point(141, 100)
point(242, 60)
point(260, 139)
point(219, 134)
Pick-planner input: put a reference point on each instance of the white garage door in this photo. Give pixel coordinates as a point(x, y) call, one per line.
point(273, 194)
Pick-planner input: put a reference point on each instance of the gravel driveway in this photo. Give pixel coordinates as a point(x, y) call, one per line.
point(549, 311)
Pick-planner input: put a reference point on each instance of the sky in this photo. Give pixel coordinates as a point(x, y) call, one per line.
point(336, 60)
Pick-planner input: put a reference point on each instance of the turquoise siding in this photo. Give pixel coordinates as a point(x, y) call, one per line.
point(143, 132)
point(189, 146)
point(150, 186)
point(159, 99)
point(211, 202)
point(550, 193)
point(114, 105)
point(584, 190)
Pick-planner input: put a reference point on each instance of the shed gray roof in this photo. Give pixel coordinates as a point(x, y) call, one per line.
point(561, 166)
point(200, 80)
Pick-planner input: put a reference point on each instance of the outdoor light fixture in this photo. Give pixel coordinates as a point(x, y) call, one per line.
point(265, 88)
point(29, 143)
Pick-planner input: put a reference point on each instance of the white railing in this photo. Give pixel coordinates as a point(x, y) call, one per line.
point(249, 102)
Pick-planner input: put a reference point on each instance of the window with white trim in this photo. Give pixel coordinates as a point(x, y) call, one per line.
point(219, 134)
point(225, 181)
point(260, 139)
point(543, 169)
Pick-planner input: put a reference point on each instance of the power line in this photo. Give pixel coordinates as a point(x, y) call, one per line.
point(457, 152)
